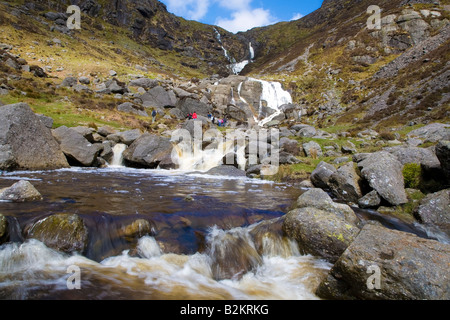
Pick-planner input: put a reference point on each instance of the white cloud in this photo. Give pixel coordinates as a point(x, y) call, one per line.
point(246, 19)
point(297, 16)
point(190, 9)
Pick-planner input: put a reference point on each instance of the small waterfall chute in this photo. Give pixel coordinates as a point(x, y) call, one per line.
point(118, 151)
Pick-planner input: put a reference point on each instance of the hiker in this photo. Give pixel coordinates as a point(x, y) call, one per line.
point(154, 115)
point(194, 116)
point(213, 119)
point(190, 116)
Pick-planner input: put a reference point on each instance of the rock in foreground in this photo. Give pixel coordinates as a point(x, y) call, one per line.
point(409, 268)
point(25, 142)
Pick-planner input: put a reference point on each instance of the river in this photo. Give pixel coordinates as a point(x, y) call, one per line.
point(203, 229)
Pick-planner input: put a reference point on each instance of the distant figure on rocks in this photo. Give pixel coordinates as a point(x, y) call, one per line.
point(213, 120)
point(194, 115)
point(154, 115)
point(209, 116)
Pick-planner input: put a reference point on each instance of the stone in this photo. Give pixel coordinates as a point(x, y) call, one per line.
point(132, 108)
point(384, 174)
point(129, 136)
point(433, 132)
point(434, 211)
point(312, 149)
point(3, 229)
point(370, 200)
point(320, 233)
point(321, 175)
point(26, 143)
point(62, 232)
point(345, 183)
point(150, 151)
point(158, 97)
point(189, 105)
point(69, 82)
point(145, 83)
point(22, 191)
point(408, 268)
point(77, 148)
point(319, 199)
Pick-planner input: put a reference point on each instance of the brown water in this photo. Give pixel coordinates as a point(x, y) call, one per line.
point(206, 243)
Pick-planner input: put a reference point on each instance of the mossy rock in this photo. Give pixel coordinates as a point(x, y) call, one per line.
point(62, 232)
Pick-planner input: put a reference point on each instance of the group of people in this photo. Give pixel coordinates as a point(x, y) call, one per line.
point(220, 122)
point(192, 116)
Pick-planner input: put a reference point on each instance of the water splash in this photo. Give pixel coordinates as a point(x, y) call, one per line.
point(118, 151)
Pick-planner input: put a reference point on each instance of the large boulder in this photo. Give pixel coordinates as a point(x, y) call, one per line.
point(22, 191)
point(62, 232)
point(345, 183)
point(189, 105)
point(434, 211)
point(321, 175)
point(150, 151)
point(384, 264)
point(145, 83)
point(320, 226)
point(384, 173)
point(77, 148)
point(433, 132)
point(25, 142)
point(158, 97)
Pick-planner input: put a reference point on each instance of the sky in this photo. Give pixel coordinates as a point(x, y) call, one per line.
point(241, 15)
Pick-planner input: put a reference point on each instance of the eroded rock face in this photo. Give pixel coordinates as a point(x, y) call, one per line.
point(389, 265)
point(25, 142)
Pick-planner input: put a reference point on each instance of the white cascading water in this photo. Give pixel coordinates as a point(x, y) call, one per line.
point(191, 156)
point(281, 274)
point(118, 150)
point(275, 96)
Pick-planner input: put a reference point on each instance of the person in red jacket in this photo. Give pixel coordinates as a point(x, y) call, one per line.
point(194, 116)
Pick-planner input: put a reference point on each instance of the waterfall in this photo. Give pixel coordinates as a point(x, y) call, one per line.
point(190, 155)
point(275, 96)
point(118, 150)
point(252, 52)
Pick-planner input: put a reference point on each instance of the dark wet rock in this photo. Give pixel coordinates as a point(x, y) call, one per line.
point(3, 229)
point(232, 254)
point(443, 155)
point(25, 142)
point(77, 148)
point(410, 268)
point(136, 230)
point(384, 174)
point(370, 200)
point(150, 151)
point(22, 191)
point(62, 232)
point(434, 211)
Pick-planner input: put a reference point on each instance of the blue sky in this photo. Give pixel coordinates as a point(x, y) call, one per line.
point(241, 15)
